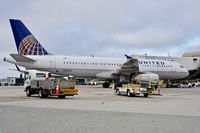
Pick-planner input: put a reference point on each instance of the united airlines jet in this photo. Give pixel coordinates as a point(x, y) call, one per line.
point(32, 55)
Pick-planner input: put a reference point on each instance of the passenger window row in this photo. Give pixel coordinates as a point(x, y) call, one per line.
point(157, 65)
point(102, 64)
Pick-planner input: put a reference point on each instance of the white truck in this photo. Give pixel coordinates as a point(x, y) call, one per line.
point(52, 87)
point(43, 84)
point(12, 81)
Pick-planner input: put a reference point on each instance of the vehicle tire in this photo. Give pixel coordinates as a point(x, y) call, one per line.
point(61, 96)
point(45, 95)
point(28, 91)
point(129, 94)
point(117, 91)
point(40, 94)
point(146, 95)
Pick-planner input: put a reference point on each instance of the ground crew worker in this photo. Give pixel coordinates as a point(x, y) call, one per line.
point(155, 84)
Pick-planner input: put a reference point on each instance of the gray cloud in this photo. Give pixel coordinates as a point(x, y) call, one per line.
point(152, 36)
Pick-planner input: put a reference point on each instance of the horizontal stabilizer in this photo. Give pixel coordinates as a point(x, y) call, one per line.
point(20, 58)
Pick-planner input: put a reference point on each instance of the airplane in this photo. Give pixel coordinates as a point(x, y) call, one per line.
point(32, 55)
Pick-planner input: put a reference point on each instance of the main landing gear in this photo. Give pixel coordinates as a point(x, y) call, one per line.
point(106, 84)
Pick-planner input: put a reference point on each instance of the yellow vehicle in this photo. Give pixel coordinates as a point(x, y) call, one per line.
point(52, 87)
point(133, 90)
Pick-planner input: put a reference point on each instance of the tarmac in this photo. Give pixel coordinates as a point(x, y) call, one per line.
point(97, 110)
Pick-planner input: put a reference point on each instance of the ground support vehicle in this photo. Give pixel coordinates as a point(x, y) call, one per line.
point(12, 81)
point(52, 87)
point(133, 90)
point(17, 82)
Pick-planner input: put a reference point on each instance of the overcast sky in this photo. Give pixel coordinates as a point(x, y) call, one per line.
point(108, 28)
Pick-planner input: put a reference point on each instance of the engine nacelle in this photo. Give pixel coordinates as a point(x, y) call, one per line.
point(147, 77)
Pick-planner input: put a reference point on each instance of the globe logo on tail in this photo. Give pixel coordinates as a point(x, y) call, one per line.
point(30, 46)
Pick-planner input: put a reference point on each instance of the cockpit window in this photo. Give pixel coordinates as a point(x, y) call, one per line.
point(181, 66)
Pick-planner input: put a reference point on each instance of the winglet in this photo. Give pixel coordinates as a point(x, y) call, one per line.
point(128, 57)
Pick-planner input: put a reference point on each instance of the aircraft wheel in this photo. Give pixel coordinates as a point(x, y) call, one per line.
point(106, 85)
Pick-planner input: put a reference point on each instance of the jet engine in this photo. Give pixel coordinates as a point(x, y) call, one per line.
point(107, 75)
point(147, 77)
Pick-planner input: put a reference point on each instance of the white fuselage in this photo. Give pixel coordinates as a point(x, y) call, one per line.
point(92, 67)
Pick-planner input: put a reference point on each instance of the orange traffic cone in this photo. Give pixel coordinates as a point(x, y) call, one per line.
point(158, 90)
point(57, 89)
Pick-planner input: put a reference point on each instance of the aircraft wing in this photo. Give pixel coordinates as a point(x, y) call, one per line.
point(130, 67)
point(20, 58)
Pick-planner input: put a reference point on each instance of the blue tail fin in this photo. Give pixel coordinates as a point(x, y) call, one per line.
point(26, 43)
